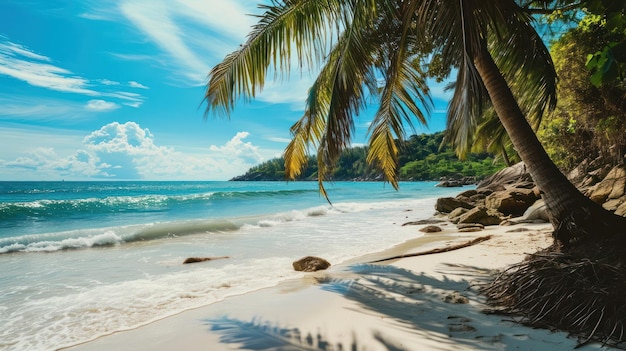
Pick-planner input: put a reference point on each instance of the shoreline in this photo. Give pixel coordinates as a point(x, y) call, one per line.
point(418, 303)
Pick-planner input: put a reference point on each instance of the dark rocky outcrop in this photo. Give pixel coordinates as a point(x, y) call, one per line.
point(310, 264)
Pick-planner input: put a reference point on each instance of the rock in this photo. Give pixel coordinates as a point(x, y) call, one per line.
point(449, 204)
point(511, 202)
point(449, 184)
point(614, 204)
point(578, 174)
point(480, 215)
point(456, 214)
point(468, 193)
point(202, 259)
point(431, 229)
point(612, 186)
point(621, 211)
point(537, 211)
point(310, 264)
point(510, 175)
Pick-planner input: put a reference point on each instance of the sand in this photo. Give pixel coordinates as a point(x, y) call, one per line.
point(419, 303)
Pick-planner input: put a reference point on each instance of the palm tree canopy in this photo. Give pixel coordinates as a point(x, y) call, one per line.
point(380, 50)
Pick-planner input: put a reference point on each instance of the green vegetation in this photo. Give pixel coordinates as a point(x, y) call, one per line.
point(420, 158)
point(589, 120)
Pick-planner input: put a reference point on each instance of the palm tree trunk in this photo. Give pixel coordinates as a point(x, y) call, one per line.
point(574, 216)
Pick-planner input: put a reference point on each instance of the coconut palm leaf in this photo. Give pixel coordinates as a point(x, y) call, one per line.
point(404, 96)
point(305, 26)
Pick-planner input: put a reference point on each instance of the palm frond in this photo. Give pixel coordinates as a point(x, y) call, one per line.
point(404, 96)
point(306, 25)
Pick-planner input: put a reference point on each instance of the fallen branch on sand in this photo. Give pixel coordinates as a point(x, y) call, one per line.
point(438, 250)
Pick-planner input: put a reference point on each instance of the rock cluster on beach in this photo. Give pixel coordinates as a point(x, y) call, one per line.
point(510, 196)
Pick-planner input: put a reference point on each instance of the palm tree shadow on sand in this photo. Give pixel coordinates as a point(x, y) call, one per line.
point(423, 306)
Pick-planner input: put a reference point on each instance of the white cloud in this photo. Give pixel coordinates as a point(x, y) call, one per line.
point(23, 64)
point(194, 34)
point(108, 82)
point(237, 149)
point(101, 105)
point(279, 140)
point(47, 164)
point(128, 151)
point(41, 74)
point(154, 19)
point(134, 84)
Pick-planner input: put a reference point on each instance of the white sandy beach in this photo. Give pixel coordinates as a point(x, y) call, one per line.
point(418, 303)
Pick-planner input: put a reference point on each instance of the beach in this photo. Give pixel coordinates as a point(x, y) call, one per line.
point(428, 302)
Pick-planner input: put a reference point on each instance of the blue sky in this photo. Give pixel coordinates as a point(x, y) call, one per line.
point(112, 89)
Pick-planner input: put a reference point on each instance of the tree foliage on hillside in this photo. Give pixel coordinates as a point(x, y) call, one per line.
point(420, 158)
point(590, 120)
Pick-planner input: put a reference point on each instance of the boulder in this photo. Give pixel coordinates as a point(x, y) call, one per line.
point(202, 259)
point(468, 193)
point(431, 229)
point(621, 210)
point(510, 175)
point(537, 211)
point(613, 186)
point(614, 204)
point(456, 214)
point(449, 184)
point(480, 215)
point(511, 202)
point(310, 264)
point(449, 204)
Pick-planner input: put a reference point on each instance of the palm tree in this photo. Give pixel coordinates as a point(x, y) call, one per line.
point(500, 59)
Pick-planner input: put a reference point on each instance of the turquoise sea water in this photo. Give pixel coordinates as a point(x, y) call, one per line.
point(83, 259)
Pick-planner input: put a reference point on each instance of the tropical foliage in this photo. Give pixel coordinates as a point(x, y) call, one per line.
point(420, 157)
point(589, 121)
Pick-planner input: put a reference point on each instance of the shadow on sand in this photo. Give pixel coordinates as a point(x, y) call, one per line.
point(426, 308)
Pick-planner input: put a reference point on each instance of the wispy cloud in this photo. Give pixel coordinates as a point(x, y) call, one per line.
point(102, 106)
point(193, 34)
point(137, 85)
point(22, 108)
point(21, 63)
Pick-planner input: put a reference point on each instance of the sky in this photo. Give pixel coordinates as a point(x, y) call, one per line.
point(113, 90)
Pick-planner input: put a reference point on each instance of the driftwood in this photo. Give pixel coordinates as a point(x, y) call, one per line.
point(438, 250)
point(202, 259)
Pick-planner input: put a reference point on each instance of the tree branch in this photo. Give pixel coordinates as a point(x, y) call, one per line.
point(438, 250)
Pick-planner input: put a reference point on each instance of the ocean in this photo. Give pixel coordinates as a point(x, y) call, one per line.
point(79, 260)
